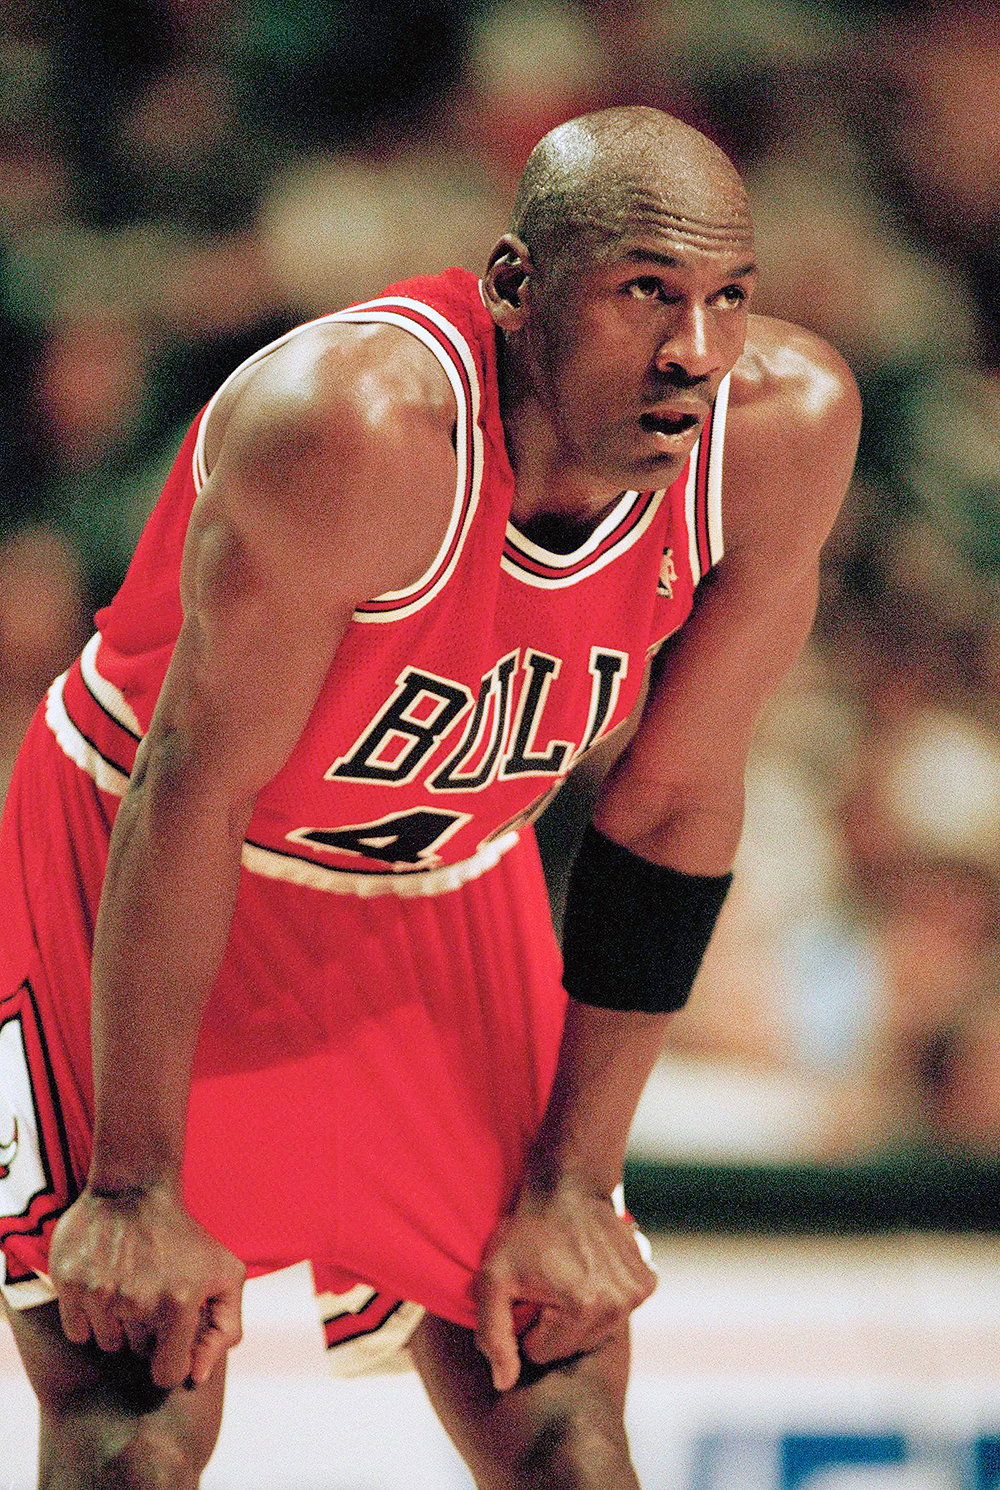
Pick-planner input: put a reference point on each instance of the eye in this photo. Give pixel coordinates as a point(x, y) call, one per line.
point(734, 296)
point(646, 288)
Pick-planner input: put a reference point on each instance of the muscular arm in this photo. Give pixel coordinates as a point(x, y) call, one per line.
point(675, 797)
point(285, 539)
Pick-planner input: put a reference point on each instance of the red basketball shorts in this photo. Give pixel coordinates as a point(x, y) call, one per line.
point(368, 1076)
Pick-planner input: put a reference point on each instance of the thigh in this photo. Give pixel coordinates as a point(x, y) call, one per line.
point(102, 1419)
point(561, 1427)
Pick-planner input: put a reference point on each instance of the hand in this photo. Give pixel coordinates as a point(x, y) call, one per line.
point(571, 1255)
point(139, 1269)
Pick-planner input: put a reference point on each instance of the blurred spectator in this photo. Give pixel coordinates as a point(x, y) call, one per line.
point(182, 180)
point(42, 626)
point(336, 228)
point(929, 89)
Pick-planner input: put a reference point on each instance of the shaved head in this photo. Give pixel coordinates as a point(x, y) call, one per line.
point(596, 179)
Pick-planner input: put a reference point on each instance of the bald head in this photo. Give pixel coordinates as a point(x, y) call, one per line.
point(598, 178)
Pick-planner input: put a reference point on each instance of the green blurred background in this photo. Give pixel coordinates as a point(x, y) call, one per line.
point(182, 180)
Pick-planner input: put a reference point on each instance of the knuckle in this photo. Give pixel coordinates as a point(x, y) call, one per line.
point(167, 1377)
point(63, 1274)
point(100, 1291)
point(590, 1300)
point(537, 1352)
point(177, 1298)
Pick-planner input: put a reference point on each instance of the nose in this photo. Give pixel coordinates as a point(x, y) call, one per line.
point(690, 345)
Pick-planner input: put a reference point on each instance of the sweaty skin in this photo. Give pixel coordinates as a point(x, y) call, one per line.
point(620, 298)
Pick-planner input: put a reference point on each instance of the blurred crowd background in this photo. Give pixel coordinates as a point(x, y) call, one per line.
point(182, 180)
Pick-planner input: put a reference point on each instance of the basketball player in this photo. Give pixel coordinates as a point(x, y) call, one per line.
point(408, 569)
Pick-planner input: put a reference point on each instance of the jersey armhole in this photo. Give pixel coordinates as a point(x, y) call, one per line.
point(446, 343)
point(703, 493)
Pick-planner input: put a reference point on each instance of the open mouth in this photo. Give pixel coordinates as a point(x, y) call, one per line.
point(667, 424)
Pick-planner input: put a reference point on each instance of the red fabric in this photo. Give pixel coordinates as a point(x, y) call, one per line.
point(370, 1068)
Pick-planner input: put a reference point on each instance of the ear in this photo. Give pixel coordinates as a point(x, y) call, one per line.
point(507, 282)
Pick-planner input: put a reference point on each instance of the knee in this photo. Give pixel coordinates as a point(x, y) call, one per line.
point(574, 1452)
point(151, 1459)
point(136, 1456)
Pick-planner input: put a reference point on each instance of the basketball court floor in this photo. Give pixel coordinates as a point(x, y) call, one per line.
point(785, 1364)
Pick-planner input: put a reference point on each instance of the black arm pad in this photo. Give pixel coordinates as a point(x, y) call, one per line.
point(634, 932)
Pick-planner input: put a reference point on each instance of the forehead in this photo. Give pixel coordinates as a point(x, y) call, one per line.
point(683, 217)
point(707, 209)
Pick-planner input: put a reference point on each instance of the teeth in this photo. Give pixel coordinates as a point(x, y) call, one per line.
point(656, 423)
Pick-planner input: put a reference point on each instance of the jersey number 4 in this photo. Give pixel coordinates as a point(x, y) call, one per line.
point(401, 840)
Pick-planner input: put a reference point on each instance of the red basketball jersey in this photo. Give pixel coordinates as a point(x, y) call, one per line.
point(454, 706)
point(378, 1048)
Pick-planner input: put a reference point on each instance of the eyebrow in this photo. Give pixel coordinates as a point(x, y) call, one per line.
point(655, 256)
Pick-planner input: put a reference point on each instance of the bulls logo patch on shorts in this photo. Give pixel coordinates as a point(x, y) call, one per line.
point(34, 1160)
point(366, 1331)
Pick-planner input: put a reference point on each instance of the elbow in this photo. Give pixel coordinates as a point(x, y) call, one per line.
point(176, 783)
point(693, 829)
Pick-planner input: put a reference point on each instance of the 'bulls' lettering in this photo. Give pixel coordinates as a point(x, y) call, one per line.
point(523, 759)
point(405, 731)
point(609, 669)
point(496, 685)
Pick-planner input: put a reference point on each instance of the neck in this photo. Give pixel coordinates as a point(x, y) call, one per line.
point(551, 491)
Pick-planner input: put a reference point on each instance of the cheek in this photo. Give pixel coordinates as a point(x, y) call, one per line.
point(733, 335)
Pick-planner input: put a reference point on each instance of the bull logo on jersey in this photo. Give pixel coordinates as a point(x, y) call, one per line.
point(668, 574)
point(8, 1151)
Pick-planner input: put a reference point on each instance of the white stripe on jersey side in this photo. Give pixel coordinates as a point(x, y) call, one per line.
point(110, 698)
point(29, 1292)
point(76, 745)
point(546, 582)
point(715, 544)
point(381, 1351)
point(691, 514)
point(380, 311)
point(333, 1305)
point(468, 418)
point(714, 495)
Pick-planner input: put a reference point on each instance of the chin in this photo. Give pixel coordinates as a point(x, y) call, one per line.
point(654, 471)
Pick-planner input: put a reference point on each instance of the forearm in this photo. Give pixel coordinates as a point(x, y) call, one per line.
point(634, 934)
point(694, 836)
point(164, 919)
point(604, 1063)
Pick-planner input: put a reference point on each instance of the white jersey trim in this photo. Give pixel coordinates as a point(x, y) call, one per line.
point(563, 561)
point(28, 1293)
point(105, 775)
point(272, 863)
point(383, 1352)
point(691, 515)
point(615, 551)
point(715, 542)
point(110, 698)
point(390, 310)
point(713, 494)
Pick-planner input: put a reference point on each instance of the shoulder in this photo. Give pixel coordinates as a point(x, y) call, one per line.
point(792, 432)
point(337, 436)
point(331, 381)
point(789, 371)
